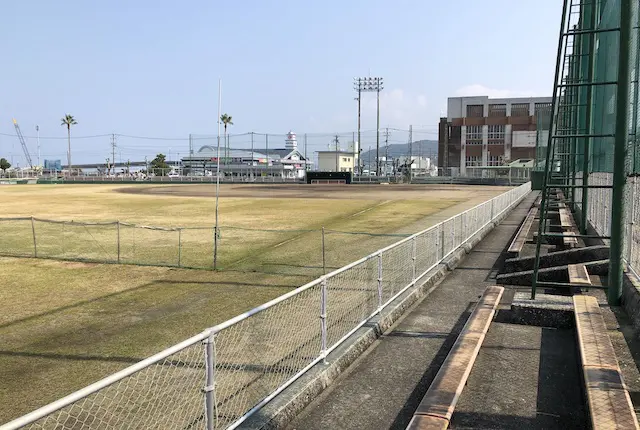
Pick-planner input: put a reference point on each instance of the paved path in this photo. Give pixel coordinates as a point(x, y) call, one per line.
point(384, 386)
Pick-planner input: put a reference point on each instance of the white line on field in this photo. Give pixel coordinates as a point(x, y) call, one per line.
point(371, 208)
point(286, 241)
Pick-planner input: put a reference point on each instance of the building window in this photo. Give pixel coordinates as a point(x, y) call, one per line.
point(495, 160)
point(498, 110)
point(520, 109)
point(496, 132)
point(474, 135)
point(475, 111)
point(542, 108)
point(344, 159)
point(473, 161)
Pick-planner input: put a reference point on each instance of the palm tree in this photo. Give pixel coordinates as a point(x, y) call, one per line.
point(226, 120)
point(68, 120)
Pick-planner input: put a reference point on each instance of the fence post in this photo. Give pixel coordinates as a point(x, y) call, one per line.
point(118, 240)
point(35, 246)
point(209, 388)
point(324, 261)
point(379, 282)
point(323, 318)
point(179, 246)
point(413, 258)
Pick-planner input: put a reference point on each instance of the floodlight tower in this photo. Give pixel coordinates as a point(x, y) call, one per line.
point(370, 84)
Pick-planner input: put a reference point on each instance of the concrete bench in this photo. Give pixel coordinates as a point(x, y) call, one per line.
point(437, 405)
point(523, 232)
point(566, 220)
point(569, 239)
point(578, 274)
point(608, 400)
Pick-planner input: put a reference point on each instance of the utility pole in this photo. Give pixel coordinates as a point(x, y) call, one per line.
point(306, 160)
point(410, 150)
point(369, 160)
point(113, 152)
point(337, 142)
point(252, 156)
point(38, 143)
point(378, 131)
point(386, 150)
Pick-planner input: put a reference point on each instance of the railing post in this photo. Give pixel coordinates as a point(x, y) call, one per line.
point(379, 282)
point(323, 318)
point(179, 247)
point(35, 246)
point(210, 412)
point(413, 258)
point(118, 239)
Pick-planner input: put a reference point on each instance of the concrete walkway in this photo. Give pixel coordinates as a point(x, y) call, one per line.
point(384, 386)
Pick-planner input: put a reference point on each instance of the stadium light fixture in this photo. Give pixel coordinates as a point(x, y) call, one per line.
point(370, 84)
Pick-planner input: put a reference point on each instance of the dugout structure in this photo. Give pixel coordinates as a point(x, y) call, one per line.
point(328, 178)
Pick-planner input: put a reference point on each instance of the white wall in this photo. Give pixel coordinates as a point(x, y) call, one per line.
point(523, 139)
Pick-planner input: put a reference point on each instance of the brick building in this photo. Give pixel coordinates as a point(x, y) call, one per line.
point(479, 131)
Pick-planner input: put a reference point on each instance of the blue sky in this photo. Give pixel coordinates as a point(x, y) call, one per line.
point(151, 68)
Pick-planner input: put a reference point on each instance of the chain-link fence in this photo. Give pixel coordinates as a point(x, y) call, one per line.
point(303, 252)
point(107, 242)
point(220, 377)
point(632, 234)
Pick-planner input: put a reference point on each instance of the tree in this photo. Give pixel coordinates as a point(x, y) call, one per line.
point(226, 120)
point(4, 165)
point(159, 165)
point(68, 121)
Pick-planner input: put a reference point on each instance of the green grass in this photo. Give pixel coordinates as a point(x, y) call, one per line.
point(67, 324)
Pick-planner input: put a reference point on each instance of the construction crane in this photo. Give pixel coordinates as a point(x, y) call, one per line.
point(23, 143)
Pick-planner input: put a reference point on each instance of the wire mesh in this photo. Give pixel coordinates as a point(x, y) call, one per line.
point(632, 244)
point(195, 247)
point(259, 354)
point(17, 237)
point(154, 246)
point(397, 269)
point(427, 249)
point(352, 296)
point(166, 394)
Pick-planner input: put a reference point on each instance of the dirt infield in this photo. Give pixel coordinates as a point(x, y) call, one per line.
point(304, 191)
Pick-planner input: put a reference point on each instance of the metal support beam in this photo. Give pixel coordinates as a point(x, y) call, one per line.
point(619, 159)
point(548, 168)
point(590, 15)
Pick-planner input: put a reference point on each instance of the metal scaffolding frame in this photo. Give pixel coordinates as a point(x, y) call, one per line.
point(591, 149)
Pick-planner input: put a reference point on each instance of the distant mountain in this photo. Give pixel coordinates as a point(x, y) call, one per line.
point(424, 148)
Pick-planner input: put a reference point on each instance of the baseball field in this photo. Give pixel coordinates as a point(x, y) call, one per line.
point(66, 324)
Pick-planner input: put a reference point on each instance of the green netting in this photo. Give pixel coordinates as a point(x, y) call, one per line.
point(586, 104)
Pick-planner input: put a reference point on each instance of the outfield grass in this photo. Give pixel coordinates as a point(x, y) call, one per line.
point(67, 324)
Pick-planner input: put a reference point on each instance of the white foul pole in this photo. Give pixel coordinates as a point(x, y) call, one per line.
point(215, 232)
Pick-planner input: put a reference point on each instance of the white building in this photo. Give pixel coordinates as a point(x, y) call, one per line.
point(287, 162)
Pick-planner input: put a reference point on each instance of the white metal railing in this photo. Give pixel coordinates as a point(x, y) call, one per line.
point(221, 376)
